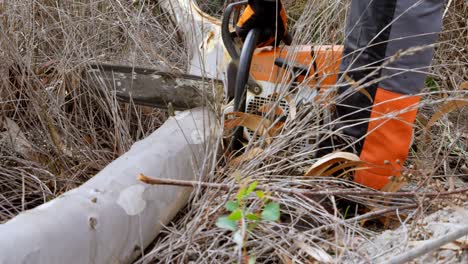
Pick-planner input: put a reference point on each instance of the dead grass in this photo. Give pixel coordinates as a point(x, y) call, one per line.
point(68, 132)
point(317, 228)
point(73, 132)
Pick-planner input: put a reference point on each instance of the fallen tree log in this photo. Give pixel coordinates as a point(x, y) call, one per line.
point(113, 217)
point(202, 34)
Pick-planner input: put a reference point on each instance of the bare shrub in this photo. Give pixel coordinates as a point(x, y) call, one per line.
point(72, 130)
point(74, 133)
point(331, 225)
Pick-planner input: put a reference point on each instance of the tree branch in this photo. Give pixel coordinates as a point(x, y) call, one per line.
point(295, 191)
point(429, 246)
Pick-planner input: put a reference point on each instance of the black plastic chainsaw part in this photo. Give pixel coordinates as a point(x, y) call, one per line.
point(242, 78)
point(226, 34)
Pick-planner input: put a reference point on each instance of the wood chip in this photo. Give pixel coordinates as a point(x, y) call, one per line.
point(326, 162)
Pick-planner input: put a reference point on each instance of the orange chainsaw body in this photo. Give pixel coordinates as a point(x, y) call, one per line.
point(322, 63)
point(327, 59)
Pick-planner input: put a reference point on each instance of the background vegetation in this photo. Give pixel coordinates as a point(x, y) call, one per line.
point(55, 132)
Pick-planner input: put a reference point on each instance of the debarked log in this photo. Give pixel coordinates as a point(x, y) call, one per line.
point(202, 34)
point(113, 217)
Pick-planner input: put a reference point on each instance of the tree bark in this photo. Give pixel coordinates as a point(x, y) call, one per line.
point(113, 216)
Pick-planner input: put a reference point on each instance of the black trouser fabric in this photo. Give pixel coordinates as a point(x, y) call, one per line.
point(387, 51)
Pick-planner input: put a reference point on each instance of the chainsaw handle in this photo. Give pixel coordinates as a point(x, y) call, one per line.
point(226, 35)
point(243, 74)
point(243, 71)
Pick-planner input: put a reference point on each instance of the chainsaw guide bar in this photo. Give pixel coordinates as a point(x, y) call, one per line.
point(150, 87)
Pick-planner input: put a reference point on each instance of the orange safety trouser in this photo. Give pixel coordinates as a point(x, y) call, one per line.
point(378, 33)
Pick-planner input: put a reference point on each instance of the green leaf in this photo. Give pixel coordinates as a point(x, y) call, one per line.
point(252, 217)
point(432, 84)
point(271, 212)
point(260, 194)
point(241, 194)
point(231, 206)
point(251, 226)
point(236, 215)
point(346, 212)
point(252, 187)
point(252, 260)
point(224, 222)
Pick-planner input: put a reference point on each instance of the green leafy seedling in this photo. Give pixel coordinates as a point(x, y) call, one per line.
point(243, 218)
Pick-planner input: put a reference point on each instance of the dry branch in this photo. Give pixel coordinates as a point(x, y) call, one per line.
point(428, 246)
point(295, 191)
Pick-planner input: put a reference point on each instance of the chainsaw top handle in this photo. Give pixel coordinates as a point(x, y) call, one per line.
point(226, 34)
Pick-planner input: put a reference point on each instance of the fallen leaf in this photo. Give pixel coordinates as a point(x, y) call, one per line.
point(326, 162)
point(147, 110)
point(237, 175)
point(386, 219)
point(462, 242)
point(464, 169)
point(207, 43)
point(46, 68)
point(394, 185)
point(249, 155)
point(285, 259)
point(15, 138)
point(464, 86)
point(88, 140)
point(447, 108)
point(266, 108)
point(317, 253)
point(55, 136)
point(250, 121)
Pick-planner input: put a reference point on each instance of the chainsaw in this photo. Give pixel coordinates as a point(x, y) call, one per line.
point(256, 79)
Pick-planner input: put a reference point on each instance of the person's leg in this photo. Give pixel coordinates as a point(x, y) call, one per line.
point(378, 34)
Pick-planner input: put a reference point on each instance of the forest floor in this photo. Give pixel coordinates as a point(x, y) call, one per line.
point(56, 133)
